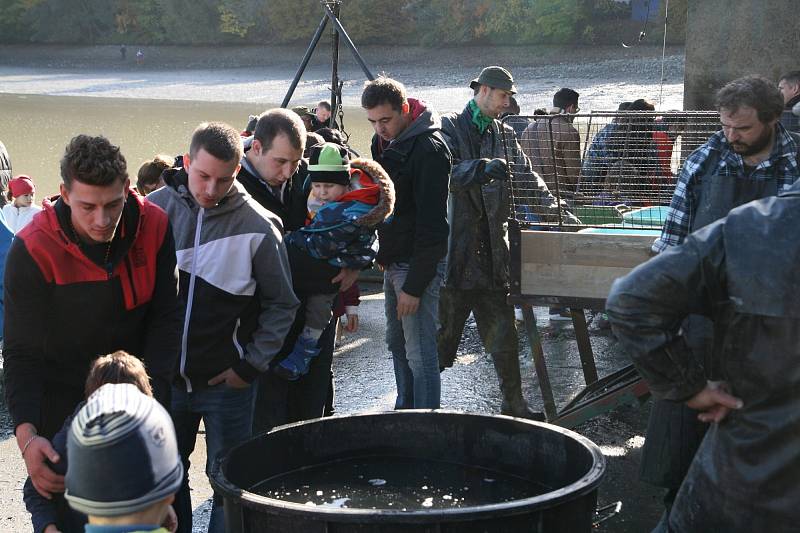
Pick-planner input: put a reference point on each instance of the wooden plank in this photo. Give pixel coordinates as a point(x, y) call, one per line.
point(575, 265)
point(551, 247)
point(569, 280)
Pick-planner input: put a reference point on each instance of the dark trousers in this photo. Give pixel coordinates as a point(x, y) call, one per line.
point(279, 401)
point(58, 402)
point(494, 317)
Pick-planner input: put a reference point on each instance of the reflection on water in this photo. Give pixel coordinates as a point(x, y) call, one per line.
point(397, 483)
point(35, 129)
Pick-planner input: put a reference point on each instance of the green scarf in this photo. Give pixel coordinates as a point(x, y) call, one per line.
point(481, 121)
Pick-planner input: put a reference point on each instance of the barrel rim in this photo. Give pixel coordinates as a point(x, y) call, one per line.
point(586, 484)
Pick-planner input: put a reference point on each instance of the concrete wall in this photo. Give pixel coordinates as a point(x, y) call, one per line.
point(728, 39)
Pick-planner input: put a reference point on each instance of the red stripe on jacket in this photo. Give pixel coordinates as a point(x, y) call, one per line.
point(62, 262)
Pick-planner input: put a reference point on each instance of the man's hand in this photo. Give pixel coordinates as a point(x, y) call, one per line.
point(51, 528)
point(714, 402)
point(346, 277)
point(496, 169)
point(352, 324)
point(406, 304)
point(230, 378)
point(45, 481)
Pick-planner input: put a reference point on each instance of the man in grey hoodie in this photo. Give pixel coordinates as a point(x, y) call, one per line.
point(236, 286)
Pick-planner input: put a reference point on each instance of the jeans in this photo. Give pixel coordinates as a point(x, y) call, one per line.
point(412, 341)
point(227, 414)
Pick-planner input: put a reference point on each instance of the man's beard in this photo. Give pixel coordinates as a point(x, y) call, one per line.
point(755, 147)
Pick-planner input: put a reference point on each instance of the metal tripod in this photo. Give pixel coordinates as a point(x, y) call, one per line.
point(332, 9)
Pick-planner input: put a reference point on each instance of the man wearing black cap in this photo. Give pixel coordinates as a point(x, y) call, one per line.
point(478, 254)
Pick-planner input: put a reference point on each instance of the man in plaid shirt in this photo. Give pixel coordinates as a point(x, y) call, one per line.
point(728, 150)
point(752, 157)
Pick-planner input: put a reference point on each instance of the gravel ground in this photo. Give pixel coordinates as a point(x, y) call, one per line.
point(365, 382)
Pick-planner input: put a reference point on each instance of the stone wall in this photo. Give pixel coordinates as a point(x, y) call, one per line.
point(728, 39)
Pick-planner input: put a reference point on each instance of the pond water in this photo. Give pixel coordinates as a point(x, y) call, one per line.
point(36, 128)
point(397, 483)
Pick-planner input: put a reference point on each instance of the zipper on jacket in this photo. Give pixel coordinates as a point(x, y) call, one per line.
point(130, 279)
point(236, 338)
point(190, 296)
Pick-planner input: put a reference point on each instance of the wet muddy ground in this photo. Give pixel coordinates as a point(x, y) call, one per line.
point(365, 382)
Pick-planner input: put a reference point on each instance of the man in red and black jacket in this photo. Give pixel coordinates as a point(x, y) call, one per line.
point(93, 273)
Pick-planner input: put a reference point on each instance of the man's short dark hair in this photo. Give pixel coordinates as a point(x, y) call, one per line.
point(565, 97)
point(324, 104)
point(792, 77)
point(752, 91)
point(383, 90)
point(218, 139)
point(642, 105)
point(93, 161)
point(280, 121)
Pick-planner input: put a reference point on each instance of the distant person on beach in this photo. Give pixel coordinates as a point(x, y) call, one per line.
point(5, 173)
point(123, 52)
point(148, 178)
point(236, 292)
point(139, 56)
point(19, 212)
point(95, 272)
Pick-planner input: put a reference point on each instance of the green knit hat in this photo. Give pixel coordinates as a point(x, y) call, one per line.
point(329, 163)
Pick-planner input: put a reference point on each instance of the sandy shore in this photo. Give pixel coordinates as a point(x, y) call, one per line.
point(603, 75)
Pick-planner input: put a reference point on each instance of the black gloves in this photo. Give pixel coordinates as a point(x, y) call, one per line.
point(496, 169)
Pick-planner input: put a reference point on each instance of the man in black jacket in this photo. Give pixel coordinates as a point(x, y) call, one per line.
point(274, 172)
point(93, 273)
point(744, 475)
point(413, 243)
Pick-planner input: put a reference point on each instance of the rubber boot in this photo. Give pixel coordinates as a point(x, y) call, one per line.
point(507, 366)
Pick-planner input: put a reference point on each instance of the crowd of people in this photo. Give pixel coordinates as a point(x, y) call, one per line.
point(222, 270)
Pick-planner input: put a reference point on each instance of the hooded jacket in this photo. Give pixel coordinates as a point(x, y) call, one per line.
point(235, 282)
point(419, 165)
point(63, 309)
point(291, 206)
point(744, 476)
point(478, 256)
point(343, 232)
point(554, 148)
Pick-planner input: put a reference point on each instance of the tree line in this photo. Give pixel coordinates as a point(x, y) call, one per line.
point(427, 22)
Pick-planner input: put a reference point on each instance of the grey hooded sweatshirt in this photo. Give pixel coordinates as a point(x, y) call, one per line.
point(235, 282)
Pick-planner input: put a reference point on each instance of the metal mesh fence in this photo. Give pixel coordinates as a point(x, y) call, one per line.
point(603, 170)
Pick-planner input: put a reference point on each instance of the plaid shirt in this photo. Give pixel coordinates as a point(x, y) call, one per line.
point(681, 210)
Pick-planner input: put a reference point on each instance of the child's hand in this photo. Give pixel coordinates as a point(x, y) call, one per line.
point(352, 324)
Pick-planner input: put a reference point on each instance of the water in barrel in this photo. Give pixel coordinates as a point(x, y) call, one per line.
point(396, 483)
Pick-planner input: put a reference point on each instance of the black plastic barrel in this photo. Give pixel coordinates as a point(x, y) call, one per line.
point(568, 463)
